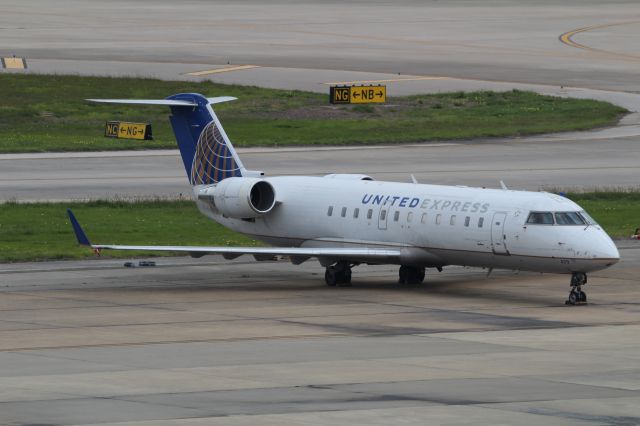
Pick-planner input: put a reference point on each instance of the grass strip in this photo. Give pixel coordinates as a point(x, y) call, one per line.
point(42, 231)
point(617, 212)
point(41, 113)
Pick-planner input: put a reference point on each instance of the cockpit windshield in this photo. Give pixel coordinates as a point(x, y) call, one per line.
point(569, 218)
point(560, 218)
point(540, 218)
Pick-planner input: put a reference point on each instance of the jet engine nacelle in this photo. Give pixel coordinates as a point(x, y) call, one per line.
point(243, 197)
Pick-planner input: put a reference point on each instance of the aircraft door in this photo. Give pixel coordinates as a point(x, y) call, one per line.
point(498, 237)
point(383, 215)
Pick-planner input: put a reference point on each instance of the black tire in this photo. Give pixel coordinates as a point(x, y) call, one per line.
point(403, 275)
point(583, 297)
point(330, 277)
point(344, 278)
point(573, 298)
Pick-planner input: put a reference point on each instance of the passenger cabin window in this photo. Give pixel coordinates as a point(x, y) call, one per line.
point(409, 217)
point(356, 212)
point(466, 221)
point(452, 220)
point(383, 214)
point(540, 218)
point(344, 212)
point(330, 211)
point(438, 219)
point(396, 216)
point(569, 218)
point(480, 222)
point(424, 218)
point(370, 214)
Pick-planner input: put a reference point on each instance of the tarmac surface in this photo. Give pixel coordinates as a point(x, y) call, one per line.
point(207, 341)
point(503, 40)
point(522, 164)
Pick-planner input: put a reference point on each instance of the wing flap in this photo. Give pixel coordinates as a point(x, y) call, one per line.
point(265, 252)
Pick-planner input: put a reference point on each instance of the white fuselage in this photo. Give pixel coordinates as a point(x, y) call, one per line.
point(437, 225)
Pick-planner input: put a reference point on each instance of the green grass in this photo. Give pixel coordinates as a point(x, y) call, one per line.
point(48, 113)
point(42, 231)
point(617, 212)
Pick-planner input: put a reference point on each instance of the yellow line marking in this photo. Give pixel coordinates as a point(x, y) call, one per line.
point(566, 38)
point(221, 70)
point(392, 80)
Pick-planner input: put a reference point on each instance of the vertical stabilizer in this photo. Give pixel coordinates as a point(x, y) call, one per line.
point(205, 148)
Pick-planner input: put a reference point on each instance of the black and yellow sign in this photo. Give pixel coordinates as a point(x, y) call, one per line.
point(125, 130)
point(358, 94)
point(14, 63)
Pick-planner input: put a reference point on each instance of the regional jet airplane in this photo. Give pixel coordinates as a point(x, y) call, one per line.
point(344, 220)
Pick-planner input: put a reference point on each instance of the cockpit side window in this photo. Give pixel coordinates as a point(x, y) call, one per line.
point(540, 218)
point(569, 218)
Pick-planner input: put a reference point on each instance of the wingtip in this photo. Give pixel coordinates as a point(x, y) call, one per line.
point(77, 229)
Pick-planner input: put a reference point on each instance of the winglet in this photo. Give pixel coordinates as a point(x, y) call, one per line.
point(77, 229)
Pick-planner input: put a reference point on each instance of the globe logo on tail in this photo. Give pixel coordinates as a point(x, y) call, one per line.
point(213, 160)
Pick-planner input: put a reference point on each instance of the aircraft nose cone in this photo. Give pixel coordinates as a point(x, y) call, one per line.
point(607, 250)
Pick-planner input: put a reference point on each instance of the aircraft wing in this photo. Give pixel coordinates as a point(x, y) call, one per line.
point(298, 254)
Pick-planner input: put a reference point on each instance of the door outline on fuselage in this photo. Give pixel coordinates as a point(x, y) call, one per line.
point(498, 237)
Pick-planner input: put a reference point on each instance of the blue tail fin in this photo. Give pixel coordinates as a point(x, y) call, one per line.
point(206, 151)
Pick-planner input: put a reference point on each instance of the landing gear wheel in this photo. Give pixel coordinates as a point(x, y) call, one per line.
point(338, 275)
point(576, 295)
point(330, 277)
point(582, 297)
point(410, 275)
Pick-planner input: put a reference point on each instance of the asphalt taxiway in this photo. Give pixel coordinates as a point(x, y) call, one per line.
point(205, 341)
point(533, 164)
point(487, 40)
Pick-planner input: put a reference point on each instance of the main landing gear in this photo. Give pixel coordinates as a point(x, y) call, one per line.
point(338, 274)
point(576, 295)
point(410, 275)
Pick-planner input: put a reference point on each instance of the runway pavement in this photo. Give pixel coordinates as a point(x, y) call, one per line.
point(212, 342)
point(487, 40)
point(533, 164)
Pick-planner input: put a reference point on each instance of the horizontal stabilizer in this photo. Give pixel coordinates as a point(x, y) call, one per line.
point(221, 99)
point(168, 102)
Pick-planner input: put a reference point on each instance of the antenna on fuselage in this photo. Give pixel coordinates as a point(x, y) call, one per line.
point(413, 179)
point(503, 186)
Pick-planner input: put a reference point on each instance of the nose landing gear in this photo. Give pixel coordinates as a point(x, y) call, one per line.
point(576, 295)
